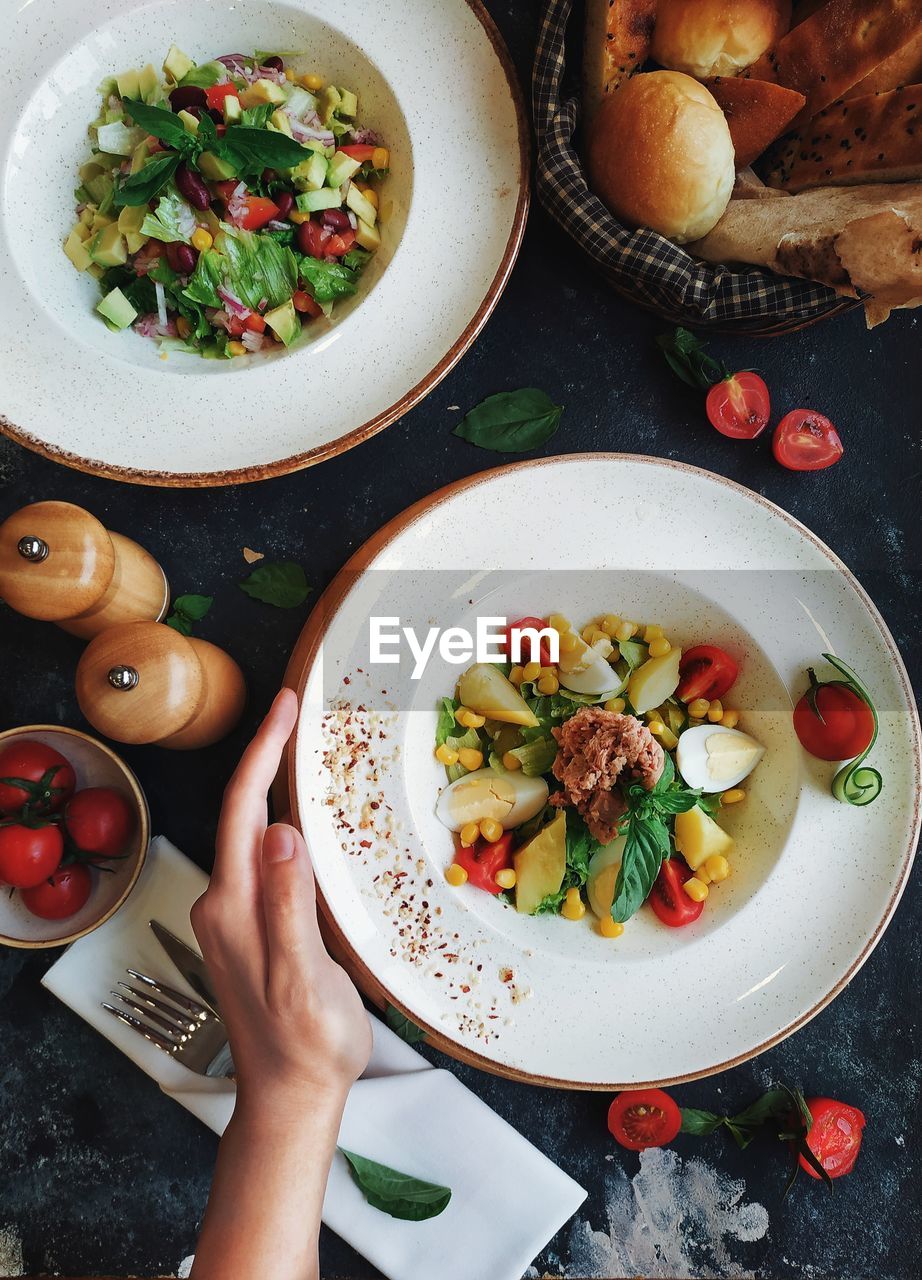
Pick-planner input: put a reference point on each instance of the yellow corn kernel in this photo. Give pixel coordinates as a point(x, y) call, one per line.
point(516, 676)
point(236, 349)
point(569, 641)
point(461, 712)
point(505, 878)
point(491, 830)
point(588, 632)
point(445, 755)
point(380, 158)
point(471, 720)
point(696, 889)
point(511, 762)
point(469, 834)
point(297, 217)
point(202, 239)
point(609, 928)
point(573, 906)
point(531, 671)
point(702, 874)
point(716, 712)
point(733, 796)
point(615, 704)
point(626, 631)
point(456, 875)
point(312, 81)
point(610, 623)
point(699, 708)
point(652, 632)
point(548, 685)
point(470, 759)
point(717, 867)
point(731, 719)
point(183, 327)
point(659, 647)
point(559, 623)
point(656, 727)
point(371, 196)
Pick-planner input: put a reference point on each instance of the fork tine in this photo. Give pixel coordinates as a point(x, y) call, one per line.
point(178, 997)
point(178, 1019)
point(162, 1042)
point(178, 1032)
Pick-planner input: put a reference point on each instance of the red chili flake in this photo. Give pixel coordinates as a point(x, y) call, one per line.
point(365, 844)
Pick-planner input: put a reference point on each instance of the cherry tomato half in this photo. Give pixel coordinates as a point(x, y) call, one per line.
point(215, 95)
point(641, 1118)
point(706, 672)
point(259, 211)
point(739, 406)
point(313, 237)
point(834, 1137)
point(806, 441)
point(521, 624)
point(61, 895)
point(29, 855)
point(34, 775)
point(482, 861)
point(669, 900)
point(832, 722)
point(99, 821)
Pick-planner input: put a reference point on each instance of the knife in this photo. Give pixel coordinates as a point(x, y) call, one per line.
point(189, 963)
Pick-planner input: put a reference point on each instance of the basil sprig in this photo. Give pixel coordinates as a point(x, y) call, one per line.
point(141, 187)
point(163, 124)
point(249, 148)
point(402, 1026)
point(511, 422)
point(283, 585)
point(187, 610)
point(856, 783)
point(399, 1194)
point(648, 843)
point(688, 359)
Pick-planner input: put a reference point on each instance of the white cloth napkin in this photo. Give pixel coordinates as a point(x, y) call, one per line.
point(507, 1199)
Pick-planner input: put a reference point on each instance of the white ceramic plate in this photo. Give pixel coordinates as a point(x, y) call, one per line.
point(434, 79)
point(814, 881)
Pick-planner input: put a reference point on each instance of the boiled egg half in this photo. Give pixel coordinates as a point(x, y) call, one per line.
point(509, 798)
point(714, 758)
point(586, 669)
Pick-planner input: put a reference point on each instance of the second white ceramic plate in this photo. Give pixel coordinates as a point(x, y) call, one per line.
point(433, 79)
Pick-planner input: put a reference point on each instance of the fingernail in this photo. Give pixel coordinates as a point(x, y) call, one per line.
point(279, 844)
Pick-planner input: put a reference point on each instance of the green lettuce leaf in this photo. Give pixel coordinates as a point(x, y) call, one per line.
point(256, 267)
point(328, 280)
point(173, 221)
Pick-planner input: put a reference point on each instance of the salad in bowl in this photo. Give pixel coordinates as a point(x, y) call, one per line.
point(593, 774)
point(226, 205)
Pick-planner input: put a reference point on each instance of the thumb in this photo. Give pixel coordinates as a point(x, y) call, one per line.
point(289, 899)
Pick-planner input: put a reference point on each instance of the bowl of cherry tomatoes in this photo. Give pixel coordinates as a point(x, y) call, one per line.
point(74, 831)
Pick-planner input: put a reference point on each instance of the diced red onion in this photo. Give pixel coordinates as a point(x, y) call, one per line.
point(353, 220)
point(366, 137)
point(151, 326)
point(252, 341)
point(233, 303)
point(275, 225)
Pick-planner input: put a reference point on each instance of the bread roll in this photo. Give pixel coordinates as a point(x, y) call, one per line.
point(660, 155)
point(717, 37)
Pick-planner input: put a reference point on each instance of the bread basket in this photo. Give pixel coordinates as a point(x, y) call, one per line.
point(643, 265)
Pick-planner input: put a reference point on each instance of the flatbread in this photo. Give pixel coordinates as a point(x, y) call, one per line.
point(757, 112)
point(616, 45)
point(902, 67)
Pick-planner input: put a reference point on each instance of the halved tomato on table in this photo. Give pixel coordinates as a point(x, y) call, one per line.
point(706, 672)
point(834, 1137)
point(739, 406)
point(641, 1118)
point(806, 441)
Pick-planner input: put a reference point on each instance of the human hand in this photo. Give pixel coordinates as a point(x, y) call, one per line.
point(296, 1024)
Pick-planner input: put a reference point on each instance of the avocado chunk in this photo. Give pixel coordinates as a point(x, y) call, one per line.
point(232, 108)
point(99, 187)
point(540, 865)
point(140, 156)
point(313, 201)
point(281, 121)
point(214, 167)
point(148, 84)
point(310, 174)
point(108, 248)
point(76, 249)
point(189, 122)
point(327, 103)
point(129, 224)
point(177, 64)
point(284, 322)
point(341, 167)
point(367, 237)
point(128, 84)
point(117, 310)
point(348, 104)
point(263, 91)
point(361, 207)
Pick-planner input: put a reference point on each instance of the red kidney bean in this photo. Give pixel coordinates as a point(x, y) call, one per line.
point(275, 62)
point(285, 202)
point(336, 219)
point(181, 257)
point(182, 98)
point(192, 187)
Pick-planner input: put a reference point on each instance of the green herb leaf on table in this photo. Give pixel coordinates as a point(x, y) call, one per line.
point(402, 1026)
point(186, 610)
point(511, 422)
point(141, 187)
point(399, 1194)
point(688, 359)
point(283, 585)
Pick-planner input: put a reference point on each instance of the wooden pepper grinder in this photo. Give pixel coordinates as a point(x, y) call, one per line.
point(59, 564)
point(144, 682)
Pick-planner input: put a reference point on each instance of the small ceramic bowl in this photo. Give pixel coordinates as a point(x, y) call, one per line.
point(95, 766)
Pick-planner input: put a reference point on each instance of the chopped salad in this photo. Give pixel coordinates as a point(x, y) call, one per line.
point(228, 204)
point(595, 779)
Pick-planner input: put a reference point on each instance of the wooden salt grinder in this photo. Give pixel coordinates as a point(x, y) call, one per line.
point(59, 564)
point(143, 682)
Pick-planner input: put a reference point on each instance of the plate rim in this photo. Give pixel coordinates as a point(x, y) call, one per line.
point(163, 479)
point(286, 797)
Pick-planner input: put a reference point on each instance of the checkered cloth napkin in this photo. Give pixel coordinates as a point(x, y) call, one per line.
point(650, 269)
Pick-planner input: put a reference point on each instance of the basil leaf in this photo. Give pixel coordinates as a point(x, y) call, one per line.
point(207, 136)
point(399, 1194)
point(163, 124)
point(511, 422)
point(283, 585)
point(645, 849)
point(141, 187)
point(700, 1123)
point(258, 148)
point(687, 358)
point(402, 1026)
point(257, 116)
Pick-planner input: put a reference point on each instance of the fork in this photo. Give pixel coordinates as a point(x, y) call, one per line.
point(175, 1023)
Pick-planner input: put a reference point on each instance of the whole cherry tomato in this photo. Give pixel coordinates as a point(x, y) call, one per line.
point(641, 1118)
point(832, 722)
point(36, 775)
point(705, 672)
point(834, 1137)
point(99, 821)
point(63, 894)
point(669, 900)
point(739, 406)
point(806, 441)
point(29, 854)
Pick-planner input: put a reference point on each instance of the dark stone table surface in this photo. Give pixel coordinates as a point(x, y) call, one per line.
point(100, 1173)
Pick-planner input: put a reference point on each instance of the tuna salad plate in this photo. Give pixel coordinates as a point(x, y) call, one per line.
point(615, 812)
point(267, 192)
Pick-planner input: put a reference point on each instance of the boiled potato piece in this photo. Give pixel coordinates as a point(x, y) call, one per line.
point(655, 681)
point(487, 691)
point(698, 837)
point(603, 872)
point(540, 865)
